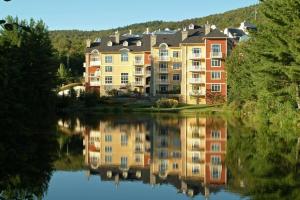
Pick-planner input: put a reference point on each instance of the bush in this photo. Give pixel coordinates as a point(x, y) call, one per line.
point(166, 103)
point(90, 99)
point(113, 92)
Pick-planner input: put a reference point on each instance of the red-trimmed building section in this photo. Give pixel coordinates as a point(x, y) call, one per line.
point(216, 84)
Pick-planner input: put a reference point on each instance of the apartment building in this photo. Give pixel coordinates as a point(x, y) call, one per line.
point(187, 64)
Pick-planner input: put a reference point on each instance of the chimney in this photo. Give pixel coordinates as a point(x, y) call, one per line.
point(152, 39)
point(207, 28)
point(88, 43)
point(184, 34)
point(130, 32)
point(117, 36)
point(147, 30)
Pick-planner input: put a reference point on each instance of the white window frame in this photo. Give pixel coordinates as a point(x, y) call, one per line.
point(214, 77)
point(124, 78)
point(216, 59)
point(108, 59)
point(108, 68)
point(178, 67)
point(215, 147)
point(216, 85)
point(220, 47)
point(124, 56)
point(177, 76)
point(215, 134)
point(108, 80)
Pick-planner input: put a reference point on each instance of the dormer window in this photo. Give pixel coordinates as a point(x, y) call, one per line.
point(125, 43)
point(139, 43)
point(191, 26)
point(109, 43)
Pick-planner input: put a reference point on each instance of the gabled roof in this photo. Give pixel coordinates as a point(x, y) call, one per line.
point(236, 32)
point(216, 33)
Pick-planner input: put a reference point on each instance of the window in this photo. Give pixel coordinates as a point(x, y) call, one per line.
point(108, 68)
point(197, 64)
point(176, 66)
point(138, 159)
point(175, 54)
point(138, 59)
point(216, 48)
point(215, 75)
point(108, 159)
point(176, 77)
point(108, 138)
point(163, 88)
point(196, 52)
point(108, 59)
point(108, 79)
point(124, 162)
point(176, 154)
point(124, 140)
point(215, 173)
point(124, 78)
point(215, 147)
point(215, 134)
point(163, 67)
point(108, 149)
point(176, 89)
point(163, 51)
point(215, 62)
point(139, 43)
point(95, 57)
point(124, 57)
point(216, 88)
point(195, 158)
point(163, 78)
point(175, 165)
point(215, 160)
point(195, 169)
point(195, 75)
point(125, 43)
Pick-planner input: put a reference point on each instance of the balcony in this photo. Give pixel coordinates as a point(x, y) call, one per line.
point(138, 62)
point(196, 80)
point(138, 83)
point(95, 63)
point(84, 65)
point(164, 58)
point(95, 83)
point(138, 72)
point(163, 70)
point(163, 81)
point(197, 69)
point(197, 93)
point(148, 73)
point(197, 160)
point(195, 56)
point(216, 54)
point(176, 59)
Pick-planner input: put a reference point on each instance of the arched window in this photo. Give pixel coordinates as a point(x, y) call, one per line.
point(95, 55)
point(124, 55)
point(163, 50)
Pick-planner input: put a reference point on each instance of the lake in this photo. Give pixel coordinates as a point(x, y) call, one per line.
point(155, 156)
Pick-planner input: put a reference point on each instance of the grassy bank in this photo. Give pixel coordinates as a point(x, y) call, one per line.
point(130, 105)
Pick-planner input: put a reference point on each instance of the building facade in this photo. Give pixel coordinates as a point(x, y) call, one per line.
point(187, 64)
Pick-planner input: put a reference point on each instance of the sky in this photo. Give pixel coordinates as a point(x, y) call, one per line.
point(106, 14)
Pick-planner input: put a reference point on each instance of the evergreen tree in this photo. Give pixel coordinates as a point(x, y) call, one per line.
point(272, 58)
point(63, 73)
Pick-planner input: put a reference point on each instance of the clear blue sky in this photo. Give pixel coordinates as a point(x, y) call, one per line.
point(105, 14)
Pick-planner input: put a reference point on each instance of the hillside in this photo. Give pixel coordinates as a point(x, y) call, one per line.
point(72, 42)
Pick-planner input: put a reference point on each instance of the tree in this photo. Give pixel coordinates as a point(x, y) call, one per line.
point(27, 74)
point(273, 63)
point(63, 73)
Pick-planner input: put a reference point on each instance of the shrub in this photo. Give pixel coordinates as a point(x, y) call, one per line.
point(90, 99)
point(113, 92)
point(166, 103)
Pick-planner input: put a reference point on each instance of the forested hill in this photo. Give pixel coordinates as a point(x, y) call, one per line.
point(72, 42)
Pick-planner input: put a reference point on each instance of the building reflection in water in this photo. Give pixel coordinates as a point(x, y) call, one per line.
point(188, 153)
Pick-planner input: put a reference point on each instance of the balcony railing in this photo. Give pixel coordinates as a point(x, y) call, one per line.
point(148, 73)
point(163, 70)
point(197, 93)
point(195, 56)
point(163, 81)
point(139, 72)
point(138, 62)
point(95, 83)
point(197, 80)
point(164, 58)
point(84, 65)
point(95, 63)
point(138, 83)
point(196, 69)
point(216, 54)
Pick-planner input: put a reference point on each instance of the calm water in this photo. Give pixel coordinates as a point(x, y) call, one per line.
point(150, 157)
